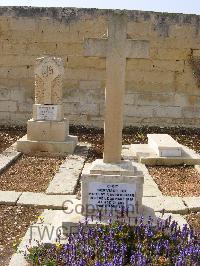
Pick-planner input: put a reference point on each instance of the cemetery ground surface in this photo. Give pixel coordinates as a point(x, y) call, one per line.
point(34, 173)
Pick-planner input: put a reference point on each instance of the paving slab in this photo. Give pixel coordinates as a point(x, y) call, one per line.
point(41, 200)
point(8, 156)
point(151, 190)
point(193, 203)
point(174, 205)
point(166, 203)
point(155, 203)
point(65, 181)
point(9, 197)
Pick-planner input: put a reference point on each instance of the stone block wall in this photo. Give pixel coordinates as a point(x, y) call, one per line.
point(161, 90)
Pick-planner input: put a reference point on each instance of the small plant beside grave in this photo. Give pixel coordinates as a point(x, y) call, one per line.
point(122, 244)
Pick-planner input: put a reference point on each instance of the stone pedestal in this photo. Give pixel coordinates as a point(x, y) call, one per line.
point(111, 188)
point(48, 131)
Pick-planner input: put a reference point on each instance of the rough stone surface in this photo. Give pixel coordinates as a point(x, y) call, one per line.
point(154, 203)
point(193, 203)
point(9, 197)
point(174, 205)
point(123, 168)
point(150, 188)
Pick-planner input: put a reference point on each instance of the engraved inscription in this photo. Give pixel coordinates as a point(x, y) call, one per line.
point(47, 112)
point(111, 196)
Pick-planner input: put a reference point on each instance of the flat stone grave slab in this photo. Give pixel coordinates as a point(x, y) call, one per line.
point(164, 145)
point(163, 150)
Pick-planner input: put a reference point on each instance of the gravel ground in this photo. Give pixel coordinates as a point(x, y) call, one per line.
point(8, 135)
point(35, 173)
point(14, 222)
point(194, 221)
point(94, 136)
point(30, 174)
point(182, 181)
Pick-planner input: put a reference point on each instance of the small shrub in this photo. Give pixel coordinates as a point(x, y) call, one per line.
point(120, 244)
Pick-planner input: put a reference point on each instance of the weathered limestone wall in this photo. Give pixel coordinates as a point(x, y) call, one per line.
point(161, 90)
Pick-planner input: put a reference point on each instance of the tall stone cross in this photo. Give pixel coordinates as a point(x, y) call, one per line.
point(116, 48)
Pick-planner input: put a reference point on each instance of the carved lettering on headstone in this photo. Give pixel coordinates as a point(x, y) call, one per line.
point(111, 196)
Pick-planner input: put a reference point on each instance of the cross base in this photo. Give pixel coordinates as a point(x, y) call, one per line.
point(52, 148)
point(111, 188)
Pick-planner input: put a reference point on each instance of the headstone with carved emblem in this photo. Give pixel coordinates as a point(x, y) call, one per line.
point(48, 131)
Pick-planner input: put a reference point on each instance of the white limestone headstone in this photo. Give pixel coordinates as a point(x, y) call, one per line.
point(164, 145)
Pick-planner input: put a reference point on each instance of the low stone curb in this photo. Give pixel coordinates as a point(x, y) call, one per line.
point(65, 181)
point(9, 156)
point(193, 203)
point(150, 188)
point(9, 197)
point(41, 200)
point(197, 167)
point(172, 204)
point(60, 202)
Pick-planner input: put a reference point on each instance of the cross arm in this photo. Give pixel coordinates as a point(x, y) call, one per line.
point(95, 47)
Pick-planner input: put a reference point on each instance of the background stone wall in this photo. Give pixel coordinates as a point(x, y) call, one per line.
point(161, 90)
